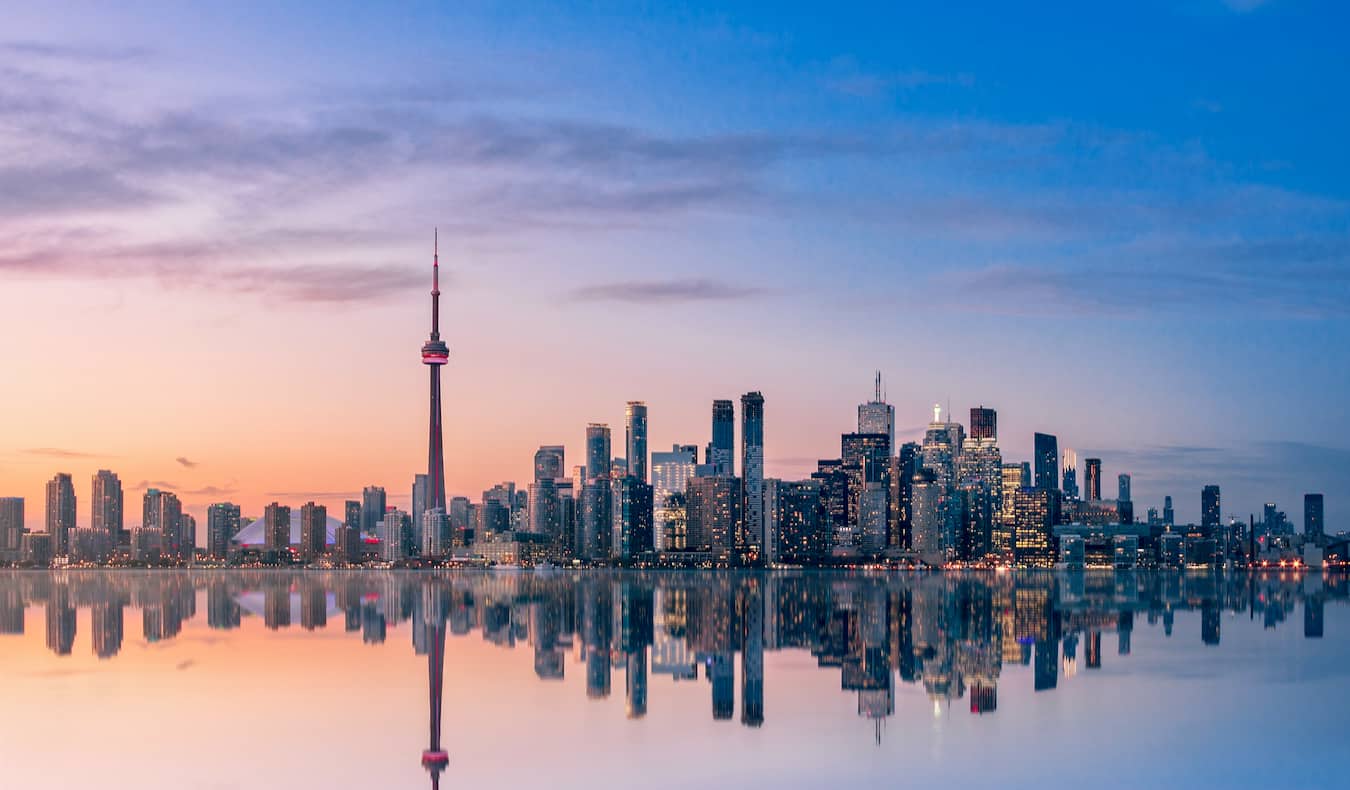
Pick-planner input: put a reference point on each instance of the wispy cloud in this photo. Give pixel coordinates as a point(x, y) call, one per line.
point(186, 463)
point(58, 452)
point(665, 291)
point(81, 53)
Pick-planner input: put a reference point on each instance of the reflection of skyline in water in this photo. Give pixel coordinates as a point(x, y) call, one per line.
point(949, 634)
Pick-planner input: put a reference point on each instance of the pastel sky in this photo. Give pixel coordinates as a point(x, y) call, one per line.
point(1126, 224)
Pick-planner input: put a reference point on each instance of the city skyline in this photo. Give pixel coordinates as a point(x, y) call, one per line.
point(176, 205)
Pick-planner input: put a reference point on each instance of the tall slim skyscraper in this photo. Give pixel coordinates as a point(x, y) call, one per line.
point(106, 505)
point(1047, 462)
point(635, 431)
point(597, 451)
point(277, 527)
point(1168, 515)
point(60, 512)
point(983, 423)
point(11, 526)
point(752, 467)
point(1209, 506)
point(373, 504)
point(877, 416)
point(1313, 525)
point(1070, 473)
point(313, 531)
point(1093, 484)
point(1123, 488)
point(435, 353)
point(222, 523)
point(420, 491)
point(719, 454)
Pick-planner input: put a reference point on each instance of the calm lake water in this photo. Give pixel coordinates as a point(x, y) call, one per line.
point(125, 679)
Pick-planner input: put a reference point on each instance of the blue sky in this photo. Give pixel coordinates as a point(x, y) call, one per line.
point(1127, 224)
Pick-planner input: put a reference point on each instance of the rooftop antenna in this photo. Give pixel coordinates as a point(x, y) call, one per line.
point(878, 395)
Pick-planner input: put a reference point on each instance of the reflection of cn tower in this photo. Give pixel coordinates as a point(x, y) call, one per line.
point(435, 354)
point(434, 759)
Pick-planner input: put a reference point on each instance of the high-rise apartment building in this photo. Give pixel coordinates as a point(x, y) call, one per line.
point(983, 423)
point(11, 527)
point(313, 531)
point(1093, 484)
point(598, 457)
point(106, 506)
point(373, 504)
point(1314, 527)
point(721, 449)
point(60, 512)
point(222, 524)
point(752, 468)
point(1209, 506)
point(1046, 458)
point(630, 517)
point(635, 434)
point(671, 473)
point(277, 527)
point(715, 515)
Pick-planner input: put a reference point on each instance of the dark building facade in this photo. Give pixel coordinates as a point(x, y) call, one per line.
point(1046, 462)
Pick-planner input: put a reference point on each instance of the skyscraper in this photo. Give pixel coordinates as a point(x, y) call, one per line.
point(752, 467)
point(420, 491)
point(106, 506)
point(1047, 462)
point(983, 423)
point(435, 353)
point(60, 512)
point(373, 505)
point(635, 433)
point(597, 451)
point(277, 528)
point(670, 476)
point(1070, 472)
point(222, 523)
point(1168, 515)
point(714, 513)
point(1123, 488)
point(1209, 506)
point(877, 416)
point(631, 517)
point(162, 513)
point(1313, 525)
point(313, 531)
point(719, 454)
point(11, 527)
point(1093, 484)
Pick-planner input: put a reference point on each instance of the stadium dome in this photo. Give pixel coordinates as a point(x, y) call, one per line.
point(252, 535)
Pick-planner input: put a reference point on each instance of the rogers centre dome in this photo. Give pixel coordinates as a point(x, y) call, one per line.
point(252, 535)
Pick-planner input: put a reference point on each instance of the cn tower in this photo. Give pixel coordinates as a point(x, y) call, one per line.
point(435, 354)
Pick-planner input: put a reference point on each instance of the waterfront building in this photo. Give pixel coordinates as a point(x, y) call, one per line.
point(60, 512)
point(1046, 458)
point(222, 524)
point(720, 450)
point(877, 416)
point(106, 502)
point(671, 473)
point(635, 432)
point(752, 471)
point(313, 531)
point(598, 456)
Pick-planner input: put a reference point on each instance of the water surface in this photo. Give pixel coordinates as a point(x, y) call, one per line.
point(163, 679)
